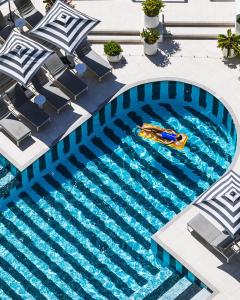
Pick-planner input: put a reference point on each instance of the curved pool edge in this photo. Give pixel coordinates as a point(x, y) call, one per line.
point(58, 150)
point(235, 164)
point(229, 124)
point(157, 239)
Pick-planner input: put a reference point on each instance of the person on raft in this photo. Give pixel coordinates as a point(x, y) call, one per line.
point(170, 137)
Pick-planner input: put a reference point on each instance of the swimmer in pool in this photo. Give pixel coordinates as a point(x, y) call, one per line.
point(169, 136)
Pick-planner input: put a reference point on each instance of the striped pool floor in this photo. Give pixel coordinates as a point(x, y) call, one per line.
point(83, 231)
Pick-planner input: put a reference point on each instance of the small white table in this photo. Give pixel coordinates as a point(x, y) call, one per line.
point(81, 69)
point(40, 100)
point(20, 23)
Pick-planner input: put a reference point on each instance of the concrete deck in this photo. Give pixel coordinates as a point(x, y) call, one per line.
point(128, 15)
point(199, 62)
point(182, 59)
point(208, 265)
point(60, 125)
point(174, 11)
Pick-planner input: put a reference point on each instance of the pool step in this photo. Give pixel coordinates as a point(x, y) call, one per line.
point(174, 287)
point(182, 290)
point(204, 294)
point(155, 288)
point(171, 31)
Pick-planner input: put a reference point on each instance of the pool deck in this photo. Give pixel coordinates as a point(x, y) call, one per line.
point(199, 62)
point(199, 58)
point(208, 265)
point(127, 14)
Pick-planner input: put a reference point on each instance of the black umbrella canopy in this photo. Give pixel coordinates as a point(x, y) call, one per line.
point(64, 26)
point(222, 202)
point(21, 57)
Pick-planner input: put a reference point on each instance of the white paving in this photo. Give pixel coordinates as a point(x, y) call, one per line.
point(208, 266)
point(195, 61)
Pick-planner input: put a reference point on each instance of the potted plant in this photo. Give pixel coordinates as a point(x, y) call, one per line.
point(230, 44)
point(49, 3)
point(113, 50)
point(150, 38)
point(151, 10)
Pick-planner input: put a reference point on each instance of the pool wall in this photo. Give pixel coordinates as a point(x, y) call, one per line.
point(166, 259)
point(209, 107)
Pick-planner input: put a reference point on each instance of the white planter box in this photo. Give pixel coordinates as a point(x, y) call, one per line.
point(237, 28)
point(150, 49)
point(151, 22)
point(231, 55)
point(114, 59)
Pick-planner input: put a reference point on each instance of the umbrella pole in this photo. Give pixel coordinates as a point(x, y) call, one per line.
point(10, 11)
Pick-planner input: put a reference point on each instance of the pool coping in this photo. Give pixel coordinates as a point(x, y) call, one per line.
point(234, 162)
point(178, 257)
point(236, 121)
point(233, 165)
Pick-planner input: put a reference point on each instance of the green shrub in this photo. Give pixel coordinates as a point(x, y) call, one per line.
point(150, 35)
point(112, 48)
point(229, 41)
point(152, 8)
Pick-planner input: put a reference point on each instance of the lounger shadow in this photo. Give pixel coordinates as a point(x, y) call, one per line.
point(219, 240)
point(93, 60)
point(54, 96)
point(11, 126)
point(5, 28)
point(30, 111)
point(28, 12)
point(72, 85)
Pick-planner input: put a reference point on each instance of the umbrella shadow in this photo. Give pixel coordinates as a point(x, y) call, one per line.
point(99, 92)
point(24, 144)
point(209, 247)
point(57, 127)
point(233, 267)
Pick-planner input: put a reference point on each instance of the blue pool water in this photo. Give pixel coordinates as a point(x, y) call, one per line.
point(83, 230)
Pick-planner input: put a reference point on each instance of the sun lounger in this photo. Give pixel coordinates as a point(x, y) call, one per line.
point(93, 60)
point(220, 241)
point(5, 82)
point(11, 126)
point(3, 22)
point(28, 12)
point(64, 78)
point(30, 111)
point(5, 29)
point(54, 96)
point(5, 32)
point(42, 42)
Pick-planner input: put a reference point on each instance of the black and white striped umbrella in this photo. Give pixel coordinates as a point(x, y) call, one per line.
point(21, 57)
point(222, 202)
point(64, 26)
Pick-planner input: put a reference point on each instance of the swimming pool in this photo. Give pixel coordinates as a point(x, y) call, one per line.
point(82, 226)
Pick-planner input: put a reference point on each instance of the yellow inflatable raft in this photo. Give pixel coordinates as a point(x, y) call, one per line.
point(179, 145)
